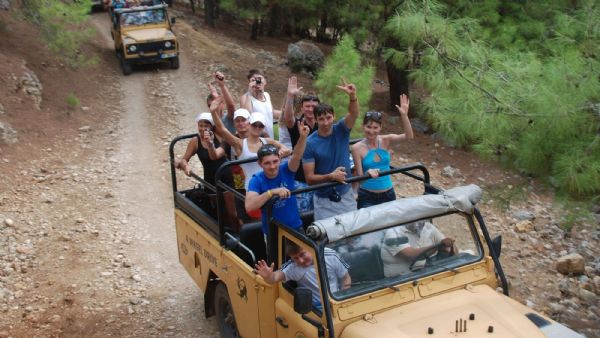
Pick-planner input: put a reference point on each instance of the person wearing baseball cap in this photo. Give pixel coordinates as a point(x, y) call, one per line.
point(206, 146)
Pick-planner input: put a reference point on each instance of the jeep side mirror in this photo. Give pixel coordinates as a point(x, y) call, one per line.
point(497, 244)
point(172, 21)
point(302, 300)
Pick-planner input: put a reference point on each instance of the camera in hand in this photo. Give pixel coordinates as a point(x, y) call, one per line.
point(220, 77)
point(258, 80)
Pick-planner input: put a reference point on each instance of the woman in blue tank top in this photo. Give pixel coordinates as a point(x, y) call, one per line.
point(371, 155)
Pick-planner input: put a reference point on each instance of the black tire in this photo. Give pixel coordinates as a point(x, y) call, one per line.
point(175, 62)
point(224, 312)
point(126, 66)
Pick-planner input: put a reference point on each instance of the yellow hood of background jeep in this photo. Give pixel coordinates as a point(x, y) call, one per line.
point(441, 313)
point(149, 34)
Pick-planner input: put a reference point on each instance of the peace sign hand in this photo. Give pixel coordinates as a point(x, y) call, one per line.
point(348, 88)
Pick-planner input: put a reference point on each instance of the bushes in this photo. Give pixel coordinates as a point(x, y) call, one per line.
point(532, 105)
point(64, 27)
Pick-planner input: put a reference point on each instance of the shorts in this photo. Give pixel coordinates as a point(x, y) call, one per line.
point(325, 208)
point(368, 198)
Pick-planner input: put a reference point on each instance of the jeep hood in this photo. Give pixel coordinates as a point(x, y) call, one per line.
point(149, 34)
point(440, 314)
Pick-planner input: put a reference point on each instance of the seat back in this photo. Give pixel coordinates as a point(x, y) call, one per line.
point(365, 264)
point(251, 235)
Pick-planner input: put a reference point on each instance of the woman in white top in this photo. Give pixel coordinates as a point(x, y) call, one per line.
point(258, 100)
point(246, 148)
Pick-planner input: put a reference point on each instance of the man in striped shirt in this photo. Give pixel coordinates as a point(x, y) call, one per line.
point(301, 269)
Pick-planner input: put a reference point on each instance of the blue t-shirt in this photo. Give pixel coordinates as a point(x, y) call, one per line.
point(328, 153)
point(284, 210)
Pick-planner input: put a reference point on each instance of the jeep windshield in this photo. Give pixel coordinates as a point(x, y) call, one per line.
point(407, 252)
point(143, 17)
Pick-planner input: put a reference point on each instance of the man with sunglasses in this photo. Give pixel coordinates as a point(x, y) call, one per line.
point(327, 157)
point(277, 179)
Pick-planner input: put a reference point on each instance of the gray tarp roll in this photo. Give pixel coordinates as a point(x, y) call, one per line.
point(399, 211)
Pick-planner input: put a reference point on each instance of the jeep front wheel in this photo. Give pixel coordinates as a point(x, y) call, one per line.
point(125, 66)
point(175, 62)
point(224, 311)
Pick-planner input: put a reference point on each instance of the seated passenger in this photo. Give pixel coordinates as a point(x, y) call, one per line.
point(301, 269)
point(277, 178)
point(402, 245)
point(372, 155)
point(207, 147)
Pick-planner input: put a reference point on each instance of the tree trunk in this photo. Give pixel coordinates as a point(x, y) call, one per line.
point(322, 29)
point(254, 32)
point(398, 83)
point(275, 18)
point(209, 12)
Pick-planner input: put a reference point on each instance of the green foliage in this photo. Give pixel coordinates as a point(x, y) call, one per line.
point(345, 63)
point(72, 101)
point(64, 26)
point(522, 87)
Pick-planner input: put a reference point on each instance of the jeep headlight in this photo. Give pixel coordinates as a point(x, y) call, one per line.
point(131, 48)
point(168, 44)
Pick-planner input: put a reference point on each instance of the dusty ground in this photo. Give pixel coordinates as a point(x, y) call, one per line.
point(87, 240)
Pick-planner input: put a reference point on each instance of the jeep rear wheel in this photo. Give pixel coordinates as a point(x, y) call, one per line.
point(125, 66)
point(224, 311)
point(175, 62)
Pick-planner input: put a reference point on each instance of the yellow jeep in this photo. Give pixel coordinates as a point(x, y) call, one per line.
point(444, 291)
point(144, 34)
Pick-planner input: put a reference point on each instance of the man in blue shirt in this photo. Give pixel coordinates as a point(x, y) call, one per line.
point(327, 157)
point(277, 178)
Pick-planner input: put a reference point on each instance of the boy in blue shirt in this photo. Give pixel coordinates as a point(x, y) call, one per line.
point(277, 178)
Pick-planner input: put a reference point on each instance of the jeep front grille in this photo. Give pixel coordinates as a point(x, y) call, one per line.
point(153, 47)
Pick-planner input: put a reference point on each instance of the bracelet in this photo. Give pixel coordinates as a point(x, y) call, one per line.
point(270, 193)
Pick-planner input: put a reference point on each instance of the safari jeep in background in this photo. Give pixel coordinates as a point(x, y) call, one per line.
point(143, 34)
point(438, 295)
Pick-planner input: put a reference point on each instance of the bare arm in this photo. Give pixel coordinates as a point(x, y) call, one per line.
point(234, 141)
point(350, 89)
point(346, 281)
point(246, 102)
point(312, 178)
point(183, 163)
point(408, 131)
point(229, 104)
point(292, 91)
point(294, 162)
point(255, 201)
point(267, 273)
point(357, 157)
point(283, 150)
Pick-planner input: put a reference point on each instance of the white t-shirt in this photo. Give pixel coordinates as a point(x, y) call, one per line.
point(266, 108)
point(395, 240)
point(336, 270)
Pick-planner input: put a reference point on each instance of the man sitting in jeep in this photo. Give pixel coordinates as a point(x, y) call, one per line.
point(407, 246)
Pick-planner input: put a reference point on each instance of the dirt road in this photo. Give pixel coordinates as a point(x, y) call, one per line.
point(87, 239)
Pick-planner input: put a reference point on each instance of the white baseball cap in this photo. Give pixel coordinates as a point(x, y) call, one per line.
point(258, 117)
point(241, 112)
point(205, 117)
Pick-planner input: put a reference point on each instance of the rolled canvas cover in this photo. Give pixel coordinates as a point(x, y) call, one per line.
point(400, 211)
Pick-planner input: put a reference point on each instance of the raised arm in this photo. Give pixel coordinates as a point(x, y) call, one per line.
point(229, 104)
point(292, 91)
point(214, 153)
point(267, 273)
point(350, 89)
point(283, 150)
point(408, 131)
point(234, 141)
point(294, 162)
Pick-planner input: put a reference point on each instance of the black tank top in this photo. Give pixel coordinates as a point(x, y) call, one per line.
point(211, 166)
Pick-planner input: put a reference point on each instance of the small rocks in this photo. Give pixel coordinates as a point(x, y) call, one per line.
point(9, 222)
point(570, 264)
point(524, 226)
point(136, 278)
point(450, 172)
point(523, 215)
point(85, 129)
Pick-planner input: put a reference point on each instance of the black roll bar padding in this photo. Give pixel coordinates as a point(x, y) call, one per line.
point(172, 159)
point(493, 253)
point(237, 242)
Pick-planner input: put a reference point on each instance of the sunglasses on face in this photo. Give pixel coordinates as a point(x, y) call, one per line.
point(258, 125)
point(267, 149)
point(373, 115)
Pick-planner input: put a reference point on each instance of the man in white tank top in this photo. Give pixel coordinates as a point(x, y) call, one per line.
point(258, 100)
